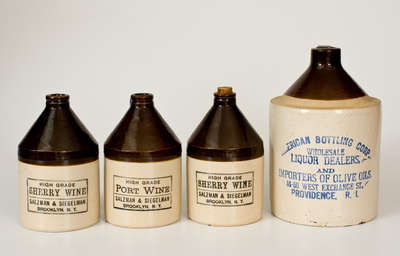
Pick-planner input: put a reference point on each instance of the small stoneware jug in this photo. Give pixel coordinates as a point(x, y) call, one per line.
point(325, 139)
point(142, 173)
point(225, 166)
point(58, 171)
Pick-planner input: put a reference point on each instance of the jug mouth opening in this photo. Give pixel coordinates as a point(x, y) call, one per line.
point(224, 96)
point(326, 48)
point(224, 93)
point(325, 56)
point(57, 98)
point(142, 98)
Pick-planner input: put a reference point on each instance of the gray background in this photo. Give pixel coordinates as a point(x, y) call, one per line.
point(102, 51)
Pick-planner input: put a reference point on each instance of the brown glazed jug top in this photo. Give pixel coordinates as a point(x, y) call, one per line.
point(325, 78)
point(58, 137)
point(224, 134)
point(142, 135)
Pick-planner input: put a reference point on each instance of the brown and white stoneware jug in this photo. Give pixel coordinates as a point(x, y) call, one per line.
point(142, 173)
point(58, 171)
point(324, 142)
point(225, 166)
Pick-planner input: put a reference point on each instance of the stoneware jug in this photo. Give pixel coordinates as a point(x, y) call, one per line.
point(142, 169)
point(58, 171)
point(225, 166)
point(324, 147)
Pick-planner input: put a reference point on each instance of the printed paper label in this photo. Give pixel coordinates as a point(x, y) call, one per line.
point(142, 194)
point(57, 196)
point(225, 190)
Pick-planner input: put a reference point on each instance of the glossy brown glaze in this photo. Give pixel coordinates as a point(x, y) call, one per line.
point(58, 137)
point(325, 78)
point(224, 134)
point(142, 135)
